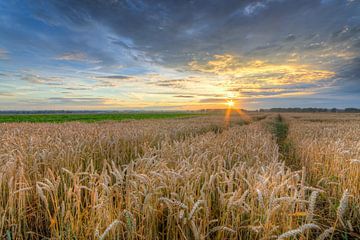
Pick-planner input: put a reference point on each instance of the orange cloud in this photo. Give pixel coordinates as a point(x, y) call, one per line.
point(259, 73)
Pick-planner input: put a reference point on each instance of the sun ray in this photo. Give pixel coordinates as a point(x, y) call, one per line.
point(227, 116)
point(231, 106)
point(243, 115)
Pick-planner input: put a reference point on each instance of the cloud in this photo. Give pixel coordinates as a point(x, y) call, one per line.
point(290, 37)
point(37, 79)
point(79, 88)
point(6, 94)
point(113, 80)
point(117, 77)
point(188, 95)
point(72, 57)
point(315, 45)
point(348, 79)
point(327, 1)
point(254, 8)
point(215, 100)
point(346, 33)
point(75, 100)
point(203, 49)
point(184, 96)
point(171, 83)
point(177, 83)
point(277, 92)
point(258, 72)
point(174, 31)
point(76, 57)
point(4, 55)
point(154, 29)
point(53, 83)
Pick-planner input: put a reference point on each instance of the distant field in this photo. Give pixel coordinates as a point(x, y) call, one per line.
point(93, 117)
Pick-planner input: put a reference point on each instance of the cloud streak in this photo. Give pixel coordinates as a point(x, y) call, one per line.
point(4, 55)
point(37, 79)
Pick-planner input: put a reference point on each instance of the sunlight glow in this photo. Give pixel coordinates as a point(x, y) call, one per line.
point(230, 103)
point(231, 107)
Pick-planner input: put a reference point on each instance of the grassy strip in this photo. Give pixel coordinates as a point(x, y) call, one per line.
point(280, 130)
point(60, 118)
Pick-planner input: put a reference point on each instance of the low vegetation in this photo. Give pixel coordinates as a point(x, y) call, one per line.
point(89, 117)
point(190, 178)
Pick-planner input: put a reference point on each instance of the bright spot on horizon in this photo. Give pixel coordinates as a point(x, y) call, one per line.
point(230, 103)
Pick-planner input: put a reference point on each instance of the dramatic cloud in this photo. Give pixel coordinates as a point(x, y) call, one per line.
point(259, 73)
point(169, 54)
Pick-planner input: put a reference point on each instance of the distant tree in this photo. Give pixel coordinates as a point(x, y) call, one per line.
point(352, 110)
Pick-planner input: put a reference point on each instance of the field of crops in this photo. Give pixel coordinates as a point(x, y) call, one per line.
point(264, 176)
point(89, 117)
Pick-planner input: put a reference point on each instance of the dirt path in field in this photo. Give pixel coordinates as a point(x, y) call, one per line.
point(280, 130)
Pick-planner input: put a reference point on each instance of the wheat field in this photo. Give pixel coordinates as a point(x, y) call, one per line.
point(294, 176)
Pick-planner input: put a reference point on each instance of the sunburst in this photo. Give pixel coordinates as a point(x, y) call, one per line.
point(230, 103)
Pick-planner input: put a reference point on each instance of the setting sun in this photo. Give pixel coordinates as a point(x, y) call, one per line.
point(230, 103)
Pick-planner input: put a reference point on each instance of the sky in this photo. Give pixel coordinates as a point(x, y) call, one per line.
point(178, 55)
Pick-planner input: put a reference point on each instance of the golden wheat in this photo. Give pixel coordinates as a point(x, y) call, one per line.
point(193, 178)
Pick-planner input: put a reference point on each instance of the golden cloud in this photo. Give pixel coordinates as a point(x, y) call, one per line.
point(260, 72)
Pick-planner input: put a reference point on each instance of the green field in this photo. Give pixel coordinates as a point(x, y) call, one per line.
point(88, 117)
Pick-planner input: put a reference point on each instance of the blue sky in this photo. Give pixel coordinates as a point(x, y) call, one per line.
point(112, 54)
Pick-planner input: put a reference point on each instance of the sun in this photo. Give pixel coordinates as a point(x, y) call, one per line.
point(230, 103)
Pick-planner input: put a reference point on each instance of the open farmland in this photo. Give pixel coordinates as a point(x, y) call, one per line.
point(263, 176)
point(89, 117)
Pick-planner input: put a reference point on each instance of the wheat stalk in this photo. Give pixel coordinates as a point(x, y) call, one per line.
point(311, 208)
point(326, 233)
point(107, 230)
point(193, 210)
point(298, 231)
point(342, 206)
